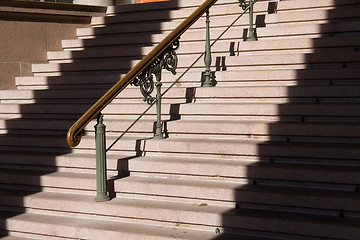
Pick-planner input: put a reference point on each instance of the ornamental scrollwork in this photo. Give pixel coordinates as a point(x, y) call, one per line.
point(244, 5)
point(145, 80)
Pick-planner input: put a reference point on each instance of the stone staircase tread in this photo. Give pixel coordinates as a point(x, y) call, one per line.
point(242, 191)
point(288, 5)
point(96, 229)
point(171, 13)
point(72, 203)
point(233, 163)
point(231, 74)
point(125, 207)
point(220, 92)
point(307, 29)
point(14, 238)
point(264, 44)
point(228, 185)
point(273, 58)
point(234, 140)
point(199, 166)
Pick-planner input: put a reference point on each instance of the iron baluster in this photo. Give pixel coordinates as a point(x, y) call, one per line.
point(252, 36)
point(250, 5)
point(207, 59)
point(168, 60)
point(101, 177)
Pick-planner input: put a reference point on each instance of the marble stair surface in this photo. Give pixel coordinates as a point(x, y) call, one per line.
point(271, 152)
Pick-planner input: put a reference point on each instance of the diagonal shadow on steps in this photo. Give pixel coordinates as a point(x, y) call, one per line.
point(305, 182)
point(34, 150)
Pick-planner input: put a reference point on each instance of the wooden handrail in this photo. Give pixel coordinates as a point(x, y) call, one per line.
point(74, 133)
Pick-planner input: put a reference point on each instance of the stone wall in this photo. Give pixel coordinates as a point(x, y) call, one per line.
point(24, 43)
point(29, 29)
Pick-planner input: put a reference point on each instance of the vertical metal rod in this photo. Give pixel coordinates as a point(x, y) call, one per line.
point(252, 36)
point(207, 59)
point(158, 132)
point(101, 178)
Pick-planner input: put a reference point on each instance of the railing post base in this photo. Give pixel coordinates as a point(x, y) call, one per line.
point(252, 36)
point(158, 136)
point(102, 197)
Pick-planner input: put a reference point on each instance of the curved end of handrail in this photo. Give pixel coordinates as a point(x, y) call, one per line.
point(73, 138)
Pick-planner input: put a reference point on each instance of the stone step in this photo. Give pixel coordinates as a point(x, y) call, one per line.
point(301, 17)
point(226, 48)
point(164, 14)
point(233, 47)
point(330, 133)
point(228, 194)
point(157, 27)
point(193, 94)
point(295, 189)
point(155, 210)
point(129, 52)
point(273, 77)
point(312, 45)
point(236, 147)
point(154, 6)
point(305, 4)
point(296, 128)
point(228, 167)
point(320, 60)
point(246, 170)
point(256, 129)
point(211, 108)
point(310, 30)
point(67, 227)
point(4, 237)
point(304, 15)
point(291, 109)
point(305, 147)
point(283, 6)
point(49, 179)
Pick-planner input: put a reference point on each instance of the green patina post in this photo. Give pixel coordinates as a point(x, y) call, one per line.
point(252, 36)
point(158, 132)
point(207, 59)
point(101, 177)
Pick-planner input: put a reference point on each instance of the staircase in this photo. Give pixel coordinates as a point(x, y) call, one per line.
point(270, 153)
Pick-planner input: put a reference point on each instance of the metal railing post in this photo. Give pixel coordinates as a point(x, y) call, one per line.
point(207, 59)
point(158, 132)
point(101, 178)
point(252, 36)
